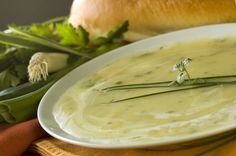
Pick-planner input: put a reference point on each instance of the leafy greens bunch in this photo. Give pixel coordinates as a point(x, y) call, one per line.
point(18, 44)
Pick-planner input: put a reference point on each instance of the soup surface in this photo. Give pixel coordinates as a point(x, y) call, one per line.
point(89, 112)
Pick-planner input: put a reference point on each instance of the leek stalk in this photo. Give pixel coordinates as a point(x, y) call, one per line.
point(25, 103)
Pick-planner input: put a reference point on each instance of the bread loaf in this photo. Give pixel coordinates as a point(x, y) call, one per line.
point(149, 17)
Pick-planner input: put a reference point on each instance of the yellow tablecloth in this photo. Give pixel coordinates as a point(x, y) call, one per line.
point(53, 147)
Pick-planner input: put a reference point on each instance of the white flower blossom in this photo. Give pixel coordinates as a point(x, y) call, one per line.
point(180, 78)
point(175, 67)
point(186, 62)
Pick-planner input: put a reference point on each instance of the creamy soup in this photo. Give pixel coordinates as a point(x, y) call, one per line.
point(89, 112)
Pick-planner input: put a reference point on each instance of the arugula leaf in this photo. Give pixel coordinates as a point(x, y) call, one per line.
point(71, 36)
point(7, 79)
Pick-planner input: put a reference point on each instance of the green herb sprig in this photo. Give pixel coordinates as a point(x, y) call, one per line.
point(181, 83)
point(182, 68)
point(217, 80)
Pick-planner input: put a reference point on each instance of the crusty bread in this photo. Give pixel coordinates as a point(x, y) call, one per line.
point(149, 17)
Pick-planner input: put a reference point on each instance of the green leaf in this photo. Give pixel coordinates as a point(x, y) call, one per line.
point(2, 48)
point(46, 42)
point(7, 79)
point(6, 59)
point(23, 89)
point(20, 103)
point(47, 29)
point(83, 36)
point(23, 107)
point(107, 47)
point(118, 32)
point(23, 55)
point(44, 30)
point(68, 34)
point(21, 71)
point(71, 36)
point(115, 34)
point(56, 20)
point(15, 60)
point(100, 41)
point(17, 41)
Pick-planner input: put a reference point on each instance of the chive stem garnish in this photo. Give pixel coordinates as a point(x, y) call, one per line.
point(185, 84)
point(195, 81)
point(164, 92)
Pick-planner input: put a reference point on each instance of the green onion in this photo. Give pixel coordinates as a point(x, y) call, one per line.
point(21, 108)
point(45, 42)
point(20, 103)
point(41, 64)
point(7, 39)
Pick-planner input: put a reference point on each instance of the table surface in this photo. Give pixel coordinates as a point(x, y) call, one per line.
point(53, 147)
point(50, 146)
